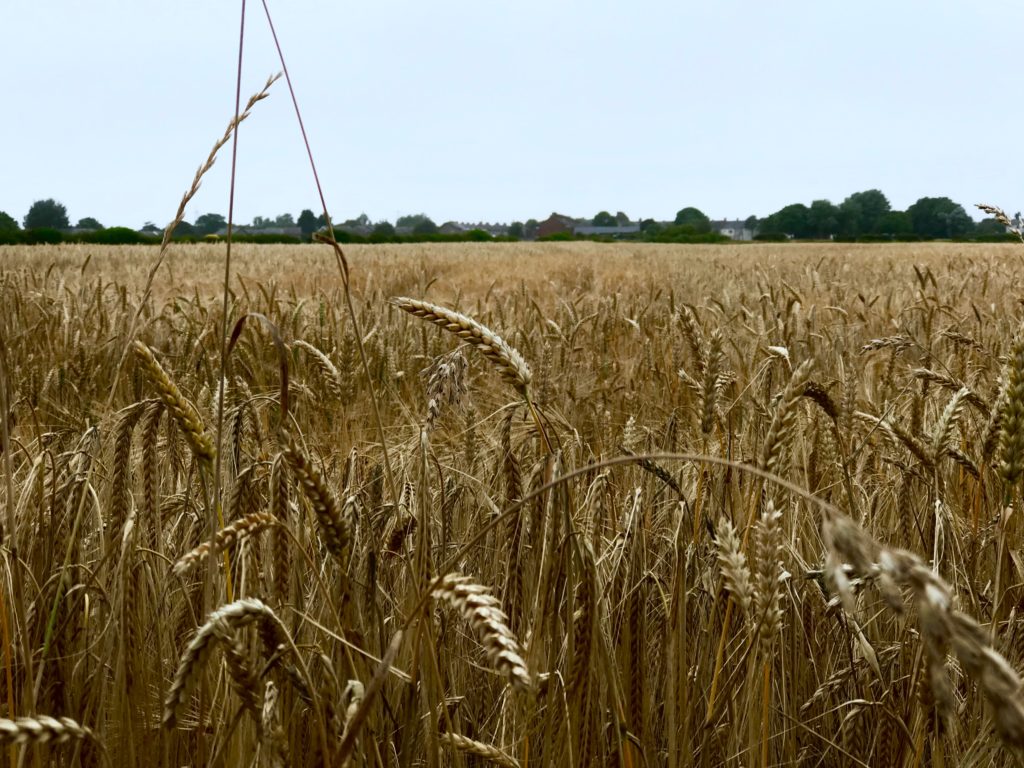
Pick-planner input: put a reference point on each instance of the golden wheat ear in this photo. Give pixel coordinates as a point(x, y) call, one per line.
point(509, 363)
point(221, 624)
point(480, 609)
point(337, 521)
point(42, 729)
point(185, 415)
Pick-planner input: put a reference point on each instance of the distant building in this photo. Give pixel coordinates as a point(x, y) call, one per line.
point(451, 228)
point(737, 230)
point(494, 230)
point(556, 224)
point(248, 230)
point(619, 230)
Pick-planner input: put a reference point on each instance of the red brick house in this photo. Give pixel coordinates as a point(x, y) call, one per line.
point(554, 224)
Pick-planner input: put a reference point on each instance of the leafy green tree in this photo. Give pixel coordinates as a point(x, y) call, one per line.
point(425, 227)
point(47, 213)
point(822, 219)
point(894, 223)
point(604, 219)
point(362, 221)
point(307, 222)
point(284, 220)
point(184, 229)
point(88, 223)
point(693, 217)
point(939, 217)
point(516, 229)
point(411, 221)
point(792, 220)
point(530, 229)
point(752, 223)
point(622, 219)
point(382, 230)
point(8, 223)
point(210, 223)
point(861, 212)
point(990, 226)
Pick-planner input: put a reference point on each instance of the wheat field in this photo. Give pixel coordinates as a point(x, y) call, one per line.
point(527, 504)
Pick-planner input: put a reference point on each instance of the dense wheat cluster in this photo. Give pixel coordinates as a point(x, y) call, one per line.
point(624, 506)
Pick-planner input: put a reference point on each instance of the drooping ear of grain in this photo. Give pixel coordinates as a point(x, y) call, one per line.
point(42, 729)
point(336, 520)
point(221, 623)
point(480, 609)
point(227, 537)
point(508, 362)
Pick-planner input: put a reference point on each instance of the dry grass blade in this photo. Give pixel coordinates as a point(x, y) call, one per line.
point(507, 360)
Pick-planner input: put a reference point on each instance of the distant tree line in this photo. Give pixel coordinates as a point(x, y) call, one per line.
point(868, 215)
point(47, 222)
point(864, 216)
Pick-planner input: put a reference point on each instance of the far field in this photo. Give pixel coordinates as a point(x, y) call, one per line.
point(734, 505)
point(695, 273)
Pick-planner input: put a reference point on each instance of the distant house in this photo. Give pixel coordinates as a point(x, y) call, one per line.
point(735, 229)
point(494, 230)
point(556, 224)
point(451, 228)
point(620, 230)
point(246, 230)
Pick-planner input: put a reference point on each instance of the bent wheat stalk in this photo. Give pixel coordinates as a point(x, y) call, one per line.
point(222, 622)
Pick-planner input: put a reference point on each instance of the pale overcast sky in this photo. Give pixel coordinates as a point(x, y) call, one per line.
point(498, 111)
